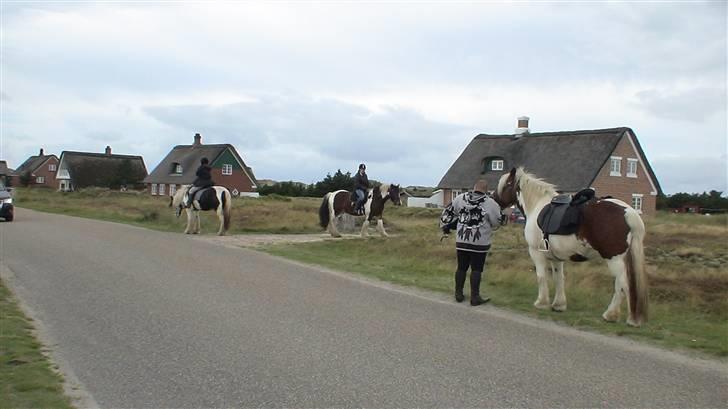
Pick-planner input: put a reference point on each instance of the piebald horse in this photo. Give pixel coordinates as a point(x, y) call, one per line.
point(609, 228)
point(340, 201)
point(216, 198)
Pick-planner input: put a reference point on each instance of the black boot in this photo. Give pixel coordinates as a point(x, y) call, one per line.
point(459, 284)
point(475, 298)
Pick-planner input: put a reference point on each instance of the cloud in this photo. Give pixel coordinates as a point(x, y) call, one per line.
point(695, 105)
point(692, 174)
point(335, 129)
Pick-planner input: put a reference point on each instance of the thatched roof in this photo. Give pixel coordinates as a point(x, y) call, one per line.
point(571, 160)
point(188, 156)
point(102, 170)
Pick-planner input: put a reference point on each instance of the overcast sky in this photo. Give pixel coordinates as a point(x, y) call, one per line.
point(302, 89)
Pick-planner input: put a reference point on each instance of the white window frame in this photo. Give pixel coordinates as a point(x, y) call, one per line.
point(227, 169)
point(51, 167)
point(496, 164)
point(178, 169)
point(161, 189)
point(454, 193)
point(154, 189)
point(172, 189)
point(40, 179)
point(618, 161)
point(637, 202)
point(632, 163)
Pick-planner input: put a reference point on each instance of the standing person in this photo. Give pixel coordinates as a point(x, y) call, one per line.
point(203, 180)
point(361, 186)
point(475, 216)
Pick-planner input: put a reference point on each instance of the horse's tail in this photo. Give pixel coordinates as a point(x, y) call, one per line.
point(226, 209)
point(324, 212)
point(636, 274)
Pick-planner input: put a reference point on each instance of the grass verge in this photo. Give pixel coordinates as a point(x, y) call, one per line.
point(26, 377)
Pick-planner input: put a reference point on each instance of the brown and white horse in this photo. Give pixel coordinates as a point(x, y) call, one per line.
point(215, 198)
point(609, 228)
point(338, 202)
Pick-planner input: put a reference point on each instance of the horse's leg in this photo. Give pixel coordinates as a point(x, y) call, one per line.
point(380, 228)
point(560, 290)
point(190, 220)
point(542, 302)
point(618, 270)
point(221, 216)
point(365, 227)
point(197, 223)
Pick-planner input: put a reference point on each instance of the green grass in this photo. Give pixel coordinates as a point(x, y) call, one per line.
point(26, 377)
point(687, 260)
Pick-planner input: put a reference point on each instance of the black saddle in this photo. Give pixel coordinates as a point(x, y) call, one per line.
point(563, 214)
point(206, 198)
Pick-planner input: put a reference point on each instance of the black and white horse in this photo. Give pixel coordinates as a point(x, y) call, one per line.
point(215, 198)
point(340, 201)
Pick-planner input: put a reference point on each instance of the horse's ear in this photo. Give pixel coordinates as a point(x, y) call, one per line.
point(513, 172)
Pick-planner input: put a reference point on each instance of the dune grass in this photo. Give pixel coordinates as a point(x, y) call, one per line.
point(26, 377)
point(687, 259)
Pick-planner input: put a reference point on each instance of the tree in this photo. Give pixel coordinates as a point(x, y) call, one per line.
point(26, 179)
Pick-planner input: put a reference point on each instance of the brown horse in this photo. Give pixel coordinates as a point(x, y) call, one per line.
point(609, 228)
point(336, 203)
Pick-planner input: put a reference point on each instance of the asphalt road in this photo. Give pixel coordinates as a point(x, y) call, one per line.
point(150, 319)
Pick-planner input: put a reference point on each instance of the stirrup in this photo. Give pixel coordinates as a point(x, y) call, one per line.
point(544, 245)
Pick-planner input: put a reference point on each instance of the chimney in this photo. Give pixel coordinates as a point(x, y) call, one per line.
point(41, 152)
point(522, 126)
point(108, 151)
point(198, 140)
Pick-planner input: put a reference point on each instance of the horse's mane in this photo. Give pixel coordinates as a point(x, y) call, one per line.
point(179, 195)
point(383, 188)
point(532, 187)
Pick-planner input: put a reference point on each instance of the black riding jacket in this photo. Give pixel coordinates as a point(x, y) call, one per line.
point(204, 178)
point(361, 182)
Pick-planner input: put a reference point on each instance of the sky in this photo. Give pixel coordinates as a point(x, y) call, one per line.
point(302, 89)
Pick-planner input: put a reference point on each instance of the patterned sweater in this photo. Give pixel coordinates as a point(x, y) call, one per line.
point(475, 216)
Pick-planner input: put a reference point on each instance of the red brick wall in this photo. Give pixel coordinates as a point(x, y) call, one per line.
point(238, 180)
point(623, 187)
point(50, 176)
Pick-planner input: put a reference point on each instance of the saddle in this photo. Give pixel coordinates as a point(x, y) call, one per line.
point(563, 215)
point(198, 195)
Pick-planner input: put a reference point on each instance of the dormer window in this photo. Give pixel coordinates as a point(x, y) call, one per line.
point(493, 164)
point(176, 169)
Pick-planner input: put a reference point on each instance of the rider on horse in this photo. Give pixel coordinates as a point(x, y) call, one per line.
point(204, 180)
point(361, 186)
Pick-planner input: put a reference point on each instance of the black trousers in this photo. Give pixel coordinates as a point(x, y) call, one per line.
point(474, 261)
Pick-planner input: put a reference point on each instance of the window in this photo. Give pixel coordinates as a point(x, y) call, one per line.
point(178, 169)
point(637, 202)
point(161, 189)
point(51, 167)
point(631, 168)
point(40, 179)
point(497, 164)
point(227, 169)
point(172, 190)
point(154, 188)
point(454, 194)
point(616, 169)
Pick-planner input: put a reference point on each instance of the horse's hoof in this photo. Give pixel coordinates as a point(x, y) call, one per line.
point(558, 308)
point(633, 323)
point(542, 306)
point(611, 317)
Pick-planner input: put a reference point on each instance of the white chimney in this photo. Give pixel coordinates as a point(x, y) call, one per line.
point(522, 126)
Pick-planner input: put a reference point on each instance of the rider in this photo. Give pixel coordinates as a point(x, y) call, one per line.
point(204, 179)
point(361, 185)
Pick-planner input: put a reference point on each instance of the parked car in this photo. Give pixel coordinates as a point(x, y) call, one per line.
point(6, 203)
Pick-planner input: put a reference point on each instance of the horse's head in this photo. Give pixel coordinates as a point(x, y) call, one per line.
point(177, 200)
point(393, 194)
point(506, 194)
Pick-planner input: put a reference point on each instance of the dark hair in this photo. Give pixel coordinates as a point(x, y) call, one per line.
point(362, 166)
point(204, 161)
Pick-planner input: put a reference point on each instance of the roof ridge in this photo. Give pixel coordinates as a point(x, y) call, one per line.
point(550, 133)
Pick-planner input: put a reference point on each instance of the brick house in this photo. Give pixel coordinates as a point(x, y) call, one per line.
point(608, 160)
point(5, 173)
point(42, 169)
point(179, 166)
point(86, 169)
